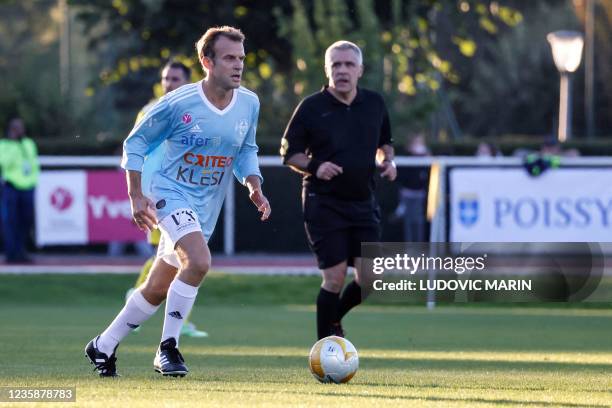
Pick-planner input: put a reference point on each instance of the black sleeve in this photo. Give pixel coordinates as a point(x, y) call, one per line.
point(295, 139)
point(385, 128)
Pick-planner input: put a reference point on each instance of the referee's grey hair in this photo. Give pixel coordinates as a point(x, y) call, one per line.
point(342, 45)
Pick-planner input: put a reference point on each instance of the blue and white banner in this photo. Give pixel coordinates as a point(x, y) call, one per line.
point(508, 205)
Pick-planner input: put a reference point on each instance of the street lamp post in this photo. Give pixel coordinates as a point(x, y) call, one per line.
point(567, 53)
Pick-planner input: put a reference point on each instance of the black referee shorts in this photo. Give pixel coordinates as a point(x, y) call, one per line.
point(336, 228)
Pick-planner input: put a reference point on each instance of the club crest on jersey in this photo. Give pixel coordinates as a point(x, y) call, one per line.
point(186, 118)
point(242, 127)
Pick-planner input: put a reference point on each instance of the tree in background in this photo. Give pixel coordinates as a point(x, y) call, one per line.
point(513, 87)
point(285, 44)
point(30, 68)
point(430, 58)
point(603, 56)
point(402, 43)
point(27, 44)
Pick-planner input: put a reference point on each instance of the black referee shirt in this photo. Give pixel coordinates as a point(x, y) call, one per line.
point(348, 135)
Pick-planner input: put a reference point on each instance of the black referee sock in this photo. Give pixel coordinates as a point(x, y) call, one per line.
point(327, 312)
point(351, 297)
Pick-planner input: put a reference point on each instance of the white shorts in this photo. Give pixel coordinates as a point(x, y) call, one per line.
point(173, 227)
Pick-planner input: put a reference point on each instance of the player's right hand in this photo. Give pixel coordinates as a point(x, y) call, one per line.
point(143, 213)
point(328, 170)
point(262, 204)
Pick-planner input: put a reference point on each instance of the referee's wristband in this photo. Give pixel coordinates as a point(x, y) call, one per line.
point(313, 166)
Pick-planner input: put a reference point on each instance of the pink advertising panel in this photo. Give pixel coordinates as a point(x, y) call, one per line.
point(108, 208)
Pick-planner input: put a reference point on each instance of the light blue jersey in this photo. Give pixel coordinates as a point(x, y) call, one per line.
point(198, 144)
point(152, 164)
point(153, 160)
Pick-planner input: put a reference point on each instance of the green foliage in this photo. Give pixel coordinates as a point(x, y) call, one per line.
point(285, 60)
point(369, 40)
point(515, 78)
point(26, 89)
point(481, 53)
point(30, 67)
point(402, 47)
point(305, 50)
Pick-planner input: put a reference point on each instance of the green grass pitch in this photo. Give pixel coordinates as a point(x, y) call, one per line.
point(261, 329)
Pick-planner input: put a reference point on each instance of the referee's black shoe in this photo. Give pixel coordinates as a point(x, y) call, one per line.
point(168, 359)
point(104, 364)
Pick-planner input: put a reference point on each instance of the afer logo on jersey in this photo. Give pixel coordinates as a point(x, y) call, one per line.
point(193, 140)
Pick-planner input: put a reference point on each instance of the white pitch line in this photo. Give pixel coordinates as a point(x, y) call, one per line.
point(123, 269)
point(67, 269)
point(267, 270)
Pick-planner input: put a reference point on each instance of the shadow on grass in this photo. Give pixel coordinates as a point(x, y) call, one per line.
point(246, 360)
point(518, 402)
point(416, 364)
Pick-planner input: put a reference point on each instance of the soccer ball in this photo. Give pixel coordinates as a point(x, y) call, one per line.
point(333, 359)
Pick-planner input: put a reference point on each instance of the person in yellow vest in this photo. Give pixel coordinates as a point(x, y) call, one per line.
point(19, 170)
point(174, 75)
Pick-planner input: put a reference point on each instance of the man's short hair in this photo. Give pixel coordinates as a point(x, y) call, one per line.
point(342, 45)
point(206, 44)
point(174, 64)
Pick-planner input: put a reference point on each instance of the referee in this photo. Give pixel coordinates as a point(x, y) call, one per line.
point(335, 139)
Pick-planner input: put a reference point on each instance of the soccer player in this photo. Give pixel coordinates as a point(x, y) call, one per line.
point(208, 131)
point(334, 139)
point(173, 75)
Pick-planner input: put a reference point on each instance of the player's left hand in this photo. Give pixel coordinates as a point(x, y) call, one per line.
point(388, 170)
point(262, 204)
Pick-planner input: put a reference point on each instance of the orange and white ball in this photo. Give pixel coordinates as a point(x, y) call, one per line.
point(333, 359)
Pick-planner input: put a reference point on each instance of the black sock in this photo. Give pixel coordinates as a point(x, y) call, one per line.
point(351, 297)
point(327, 312)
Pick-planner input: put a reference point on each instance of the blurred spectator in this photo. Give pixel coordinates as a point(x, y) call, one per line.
point(548, 157)
point(20, 170)
point(487, 150)
point(413, 192)
point(417, 146)
point(551, 147)
point(573, 152)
